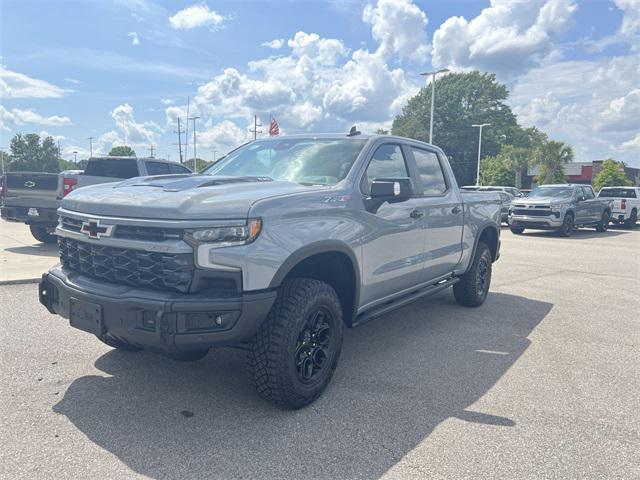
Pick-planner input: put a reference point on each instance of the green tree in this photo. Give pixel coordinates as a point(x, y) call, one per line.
point(611, 175)
point(552, 156)
point(31, 153)
point(462, 99)
point(382, 131)
point(201, 164)
point(516, 160)
point(122, 151)
point(495, 171)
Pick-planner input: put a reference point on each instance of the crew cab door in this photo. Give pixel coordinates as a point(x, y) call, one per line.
point(584, 207)
point(594, 206)
point(438, 197)
point(393, 241)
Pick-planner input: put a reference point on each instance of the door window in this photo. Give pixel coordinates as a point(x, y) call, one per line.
point(387, 162)
point(175, 168)
point(588, 193)
point(430, 171)
point(157, 168)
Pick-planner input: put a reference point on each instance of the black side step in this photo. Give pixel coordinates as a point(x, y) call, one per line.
point(402, 301)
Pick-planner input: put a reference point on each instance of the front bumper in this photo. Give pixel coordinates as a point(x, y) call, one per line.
point(157, 320)
point(539, 222)
point(21, 214)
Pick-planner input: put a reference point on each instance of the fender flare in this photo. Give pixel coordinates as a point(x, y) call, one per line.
point(485, 226)
point(315, 248)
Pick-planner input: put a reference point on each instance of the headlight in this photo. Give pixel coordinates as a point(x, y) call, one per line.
point(226, 236)
point(556, 206)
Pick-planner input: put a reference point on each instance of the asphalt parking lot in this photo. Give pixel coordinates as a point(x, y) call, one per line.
point(543, 381)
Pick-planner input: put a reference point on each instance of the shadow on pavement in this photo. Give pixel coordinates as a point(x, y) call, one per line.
point(398, 378)
point(40, 250)
point(580, 234)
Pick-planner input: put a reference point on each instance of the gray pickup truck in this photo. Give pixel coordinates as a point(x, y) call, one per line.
point(34, 198)
point(274, 249)
point(562, 208)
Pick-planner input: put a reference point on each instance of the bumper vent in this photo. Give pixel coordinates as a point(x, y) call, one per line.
point(132, 267)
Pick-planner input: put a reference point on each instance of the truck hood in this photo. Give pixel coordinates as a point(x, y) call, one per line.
point(178, 197)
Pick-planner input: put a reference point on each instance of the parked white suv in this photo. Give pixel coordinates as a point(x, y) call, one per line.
point(626, 204)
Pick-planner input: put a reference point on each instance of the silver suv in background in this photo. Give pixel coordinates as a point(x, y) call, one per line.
point(561, 208)
point(275, 249)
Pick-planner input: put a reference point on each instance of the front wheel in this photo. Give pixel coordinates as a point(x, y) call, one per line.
point(293, 356)
point(516, 230)
point(42, 233)
point(603, 224)
point(567, 226)
point(473, 287)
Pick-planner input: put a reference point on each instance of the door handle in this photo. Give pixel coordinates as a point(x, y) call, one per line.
point(456, 210)
point(416, 214)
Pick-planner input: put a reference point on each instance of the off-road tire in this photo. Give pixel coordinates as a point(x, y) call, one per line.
point(517, 230)
point(40, 233)
point(114, 342)
point(603, 224)
point(274, 350)
point(632, 220)
point(471, 291)
point(568, 225)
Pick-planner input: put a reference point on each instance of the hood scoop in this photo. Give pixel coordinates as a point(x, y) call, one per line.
point(178, 183)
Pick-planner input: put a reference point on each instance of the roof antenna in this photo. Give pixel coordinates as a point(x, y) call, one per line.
point(353, 132)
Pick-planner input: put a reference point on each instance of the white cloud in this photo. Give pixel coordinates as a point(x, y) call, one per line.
point(223, 136)
point(57, 138)
point(166, 101)
point(72, 80)
point(18, 116)
point(632, 146)
point(591, 104)
point(135, 39)
point(508, 37)
point(399, 27)
point(19, 85)
point(196, 16)
point(134, 133)
point(81, 153)
point(276, 43)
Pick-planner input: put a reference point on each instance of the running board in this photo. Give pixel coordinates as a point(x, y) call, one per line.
point(378, 311)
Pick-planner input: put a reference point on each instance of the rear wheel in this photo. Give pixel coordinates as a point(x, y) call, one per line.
point(603, 225)
point(473, 287)
point(567, 225)
point(293, 356)
point(42, 233)
point(632, 220)
point(516, 230)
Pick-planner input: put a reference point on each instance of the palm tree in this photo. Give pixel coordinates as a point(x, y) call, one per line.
point(552, 156)
point(516, 159)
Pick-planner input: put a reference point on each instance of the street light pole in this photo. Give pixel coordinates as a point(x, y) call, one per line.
point(75, 157)
point(90, 146)
point(214, 155)
point(480, 126)
point(433, 96)
point(194, 143)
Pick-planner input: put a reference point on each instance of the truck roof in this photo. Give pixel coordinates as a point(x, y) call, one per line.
point(151, 159)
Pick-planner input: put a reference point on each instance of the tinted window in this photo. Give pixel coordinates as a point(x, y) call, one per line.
point(157, 168)
point(588, 193)
point(617, 193)
point(175, 168)
point(430, 172)
point(560, 192)
point(112, 168)
point(387, 162)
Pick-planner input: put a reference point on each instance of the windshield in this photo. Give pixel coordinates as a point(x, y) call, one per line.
point(617, 193)
point(310, 161)
point(560, 192)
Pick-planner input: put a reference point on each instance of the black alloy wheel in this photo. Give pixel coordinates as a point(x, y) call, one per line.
point(313, 345)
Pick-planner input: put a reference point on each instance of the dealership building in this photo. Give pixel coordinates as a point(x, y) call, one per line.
point(582, 172)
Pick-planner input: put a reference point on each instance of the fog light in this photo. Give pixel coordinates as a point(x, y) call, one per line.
point(200, 321)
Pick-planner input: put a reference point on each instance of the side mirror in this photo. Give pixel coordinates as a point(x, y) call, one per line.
point(390, 190)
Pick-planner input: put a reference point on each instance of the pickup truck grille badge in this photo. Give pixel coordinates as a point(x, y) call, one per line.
point(132, 267)
point(130, 232)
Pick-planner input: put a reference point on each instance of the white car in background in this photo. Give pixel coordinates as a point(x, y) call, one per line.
point(626, 204)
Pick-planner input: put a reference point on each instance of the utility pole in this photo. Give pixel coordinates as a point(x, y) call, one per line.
point(90, 146)
point(480, 126)
point(194, 142)
point(151, 151)
point(179, 132)
point(59, 151)
point(433, 96)
point(255, 130)
point(75, 157)
point(214, 155)
point(186, 136)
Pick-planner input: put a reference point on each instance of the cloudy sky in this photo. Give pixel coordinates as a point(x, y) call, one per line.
point(121, 71)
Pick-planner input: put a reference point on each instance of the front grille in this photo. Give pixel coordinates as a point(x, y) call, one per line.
point(532, 212)
point(130, 232)
point(132, 267)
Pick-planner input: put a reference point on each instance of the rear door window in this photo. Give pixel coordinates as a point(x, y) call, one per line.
point(430, 171)
point(157, 168)
point(588, 193)
point(175, 168)
point(617, 193)
point(112, 168)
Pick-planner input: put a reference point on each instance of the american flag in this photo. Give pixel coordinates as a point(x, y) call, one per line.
point(274, 129)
